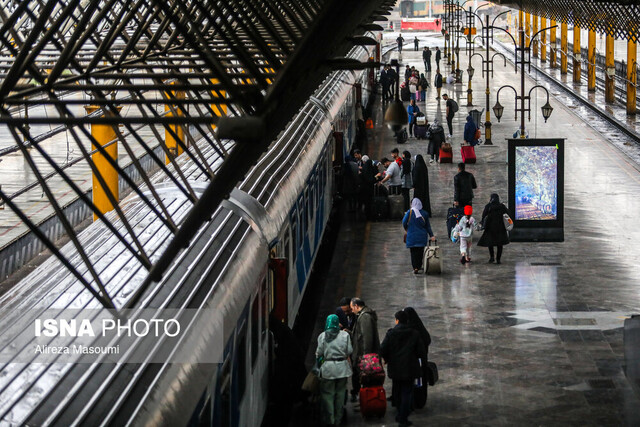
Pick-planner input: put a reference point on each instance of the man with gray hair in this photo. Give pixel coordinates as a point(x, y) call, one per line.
point(365, 339)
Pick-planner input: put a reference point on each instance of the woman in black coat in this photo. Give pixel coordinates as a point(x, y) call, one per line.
point(495, 234)
point(421, 183)
point(420, 393)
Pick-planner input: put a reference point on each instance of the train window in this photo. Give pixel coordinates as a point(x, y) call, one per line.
point(294, 235)
point(287, 244)
point(255, 320)
point(303, 220)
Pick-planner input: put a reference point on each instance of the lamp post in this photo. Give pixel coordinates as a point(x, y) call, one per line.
point(547, 109)
point(396, 116)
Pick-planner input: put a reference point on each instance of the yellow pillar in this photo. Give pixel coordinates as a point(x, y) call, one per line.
point(591, 59)
point(543, 40)
point(554, 44)
point(527, 29)
point(610, 70)
point(520, 26)
point(576, 54)
point(631, 76)
point(221, 109)
point(533, 32)
point(169, 140)
point(103, 134)
point(564, 48)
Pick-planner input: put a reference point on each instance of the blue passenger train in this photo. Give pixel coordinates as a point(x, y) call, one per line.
point(253, 259)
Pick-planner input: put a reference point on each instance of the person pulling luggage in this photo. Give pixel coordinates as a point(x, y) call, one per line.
point(418, 232)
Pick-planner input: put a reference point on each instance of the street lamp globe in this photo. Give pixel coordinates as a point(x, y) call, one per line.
point(470, 70)
point(396, 116)
point(498, 110)
point(547, 109)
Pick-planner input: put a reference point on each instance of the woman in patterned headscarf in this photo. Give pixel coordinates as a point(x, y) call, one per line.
point(332, 354)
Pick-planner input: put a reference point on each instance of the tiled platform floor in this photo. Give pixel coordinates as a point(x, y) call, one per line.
point(538, 339)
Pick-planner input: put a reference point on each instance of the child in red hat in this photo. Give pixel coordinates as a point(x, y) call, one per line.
point(465, 230)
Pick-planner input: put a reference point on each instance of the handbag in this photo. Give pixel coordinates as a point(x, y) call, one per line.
point(508, 222)
point(478, 134)
point(432, 373)
point(311, 383)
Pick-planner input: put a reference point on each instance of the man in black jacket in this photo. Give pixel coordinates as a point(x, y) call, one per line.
point(401, 349)
point(463, 185)
point(426, 57)
point(438, 56)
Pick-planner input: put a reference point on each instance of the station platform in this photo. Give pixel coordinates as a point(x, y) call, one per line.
point(537, 340)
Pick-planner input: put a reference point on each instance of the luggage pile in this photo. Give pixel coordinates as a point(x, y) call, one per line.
point(373, 399)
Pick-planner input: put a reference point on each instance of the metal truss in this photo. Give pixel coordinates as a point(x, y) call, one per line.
point(158, 66)
point(620, 19)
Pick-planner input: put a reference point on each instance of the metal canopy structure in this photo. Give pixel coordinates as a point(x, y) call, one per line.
point(243, 67)
point(620, 19)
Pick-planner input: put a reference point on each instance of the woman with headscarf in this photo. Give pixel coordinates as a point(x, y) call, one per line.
point(495, 234)
point(332, 354)
point(421, 183)
point(418, 230)
point(420, 392)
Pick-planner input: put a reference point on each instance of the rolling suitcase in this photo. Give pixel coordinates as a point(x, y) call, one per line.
point(468, 154)
point(420, 131)
point(432, 259)
point(373, 402)
point(446, 153)
point(396, 207)
point(380, 205)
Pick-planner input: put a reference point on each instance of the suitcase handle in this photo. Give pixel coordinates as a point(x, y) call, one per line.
point(434, 242)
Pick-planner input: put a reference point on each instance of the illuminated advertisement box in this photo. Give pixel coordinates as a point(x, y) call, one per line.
point(536, 189)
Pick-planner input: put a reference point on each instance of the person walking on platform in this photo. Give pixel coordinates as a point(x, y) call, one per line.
point(412, 112)
point(437, 83)
point(407, 178)
point(464, 229)
point(418, 231)
point(470, 129)
point(365, 339)
point(416, 44)
point(463, 185)
point(392, 76)
point(333, 352)
point(400, 41)
point(423, 84)
point(420, 391)
point(385, 81)
point(450, 113)
point(421, 183)
point(438, 57)
point(426, 58)
point(435, 142)
point(402, 349)
point(495, 233)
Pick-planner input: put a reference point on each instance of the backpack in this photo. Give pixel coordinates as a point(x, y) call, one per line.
point(454, 106)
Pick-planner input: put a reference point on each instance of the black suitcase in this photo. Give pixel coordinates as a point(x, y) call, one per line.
point(453, 216)
point(380, 205)
point(420, 132)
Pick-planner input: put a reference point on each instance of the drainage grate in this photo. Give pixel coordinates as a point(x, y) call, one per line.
point(545, 263)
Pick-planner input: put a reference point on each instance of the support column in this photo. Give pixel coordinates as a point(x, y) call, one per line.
point(527, 29)
point(564, 49)
point(220, 110)
point(610, 71)
point(543, 40)
point(534, 30)
point(591, 61)
point(577, 60)
point(520, 26)
point(169, 140)
point(103, 134)
point(554, 44)
point(631, 76)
